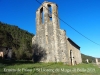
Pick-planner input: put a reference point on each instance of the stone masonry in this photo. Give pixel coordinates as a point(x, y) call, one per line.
point(49, 36)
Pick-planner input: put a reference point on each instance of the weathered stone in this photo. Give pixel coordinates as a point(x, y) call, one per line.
point(52, 39)
point(5, 52)
point(96, 61)
point(87, 60)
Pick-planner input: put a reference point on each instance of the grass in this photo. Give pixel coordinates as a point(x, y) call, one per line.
point(48, 69)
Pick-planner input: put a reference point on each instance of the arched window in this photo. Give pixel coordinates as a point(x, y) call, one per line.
point(42, 15)
point(50, 12)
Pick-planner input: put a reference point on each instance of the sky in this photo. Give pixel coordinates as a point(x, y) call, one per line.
point(82, 15)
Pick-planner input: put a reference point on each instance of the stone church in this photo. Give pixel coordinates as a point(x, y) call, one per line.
point(49, 36)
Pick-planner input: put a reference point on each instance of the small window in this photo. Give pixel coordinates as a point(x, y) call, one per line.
point(47, 39)
point(70, 53)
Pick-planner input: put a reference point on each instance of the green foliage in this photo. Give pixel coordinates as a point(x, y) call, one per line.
point(5, 37)
point(18, 39)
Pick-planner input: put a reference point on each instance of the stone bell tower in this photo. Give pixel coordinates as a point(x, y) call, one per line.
point(49, 36)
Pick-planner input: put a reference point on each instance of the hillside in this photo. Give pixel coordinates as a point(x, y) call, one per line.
point(18, 39)
point(91, 59)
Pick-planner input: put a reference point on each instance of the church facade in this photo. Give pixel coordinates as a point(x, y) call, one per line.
point(49, 36)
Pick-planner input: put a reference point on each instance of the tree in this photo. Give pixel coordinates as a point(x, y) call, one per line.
point(38, 53)
point(18, 39)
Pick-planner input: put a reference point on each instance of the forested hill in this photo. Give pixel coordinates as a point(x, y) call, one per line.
point(19, 40)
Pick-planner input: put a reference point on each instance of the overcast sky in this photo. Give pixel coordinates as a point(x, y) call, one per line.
point(83, 15)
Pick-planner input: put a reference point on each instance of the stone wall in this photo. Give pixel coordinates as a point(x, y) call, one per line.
point(62, 47)
point(51, 38)
point(75, 51)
